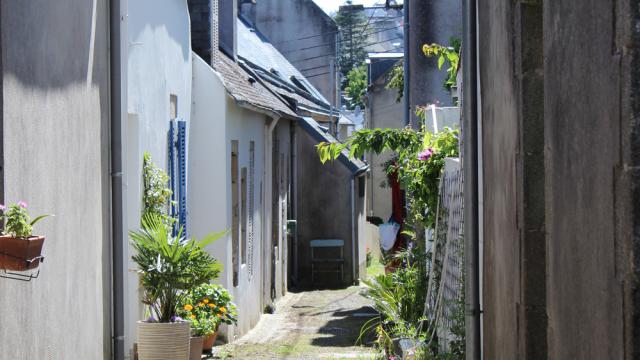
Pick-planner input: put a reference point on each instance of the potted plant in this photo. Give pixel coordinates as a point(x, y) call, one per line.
point(209, 305)
point(168, 266)
point(20, 250)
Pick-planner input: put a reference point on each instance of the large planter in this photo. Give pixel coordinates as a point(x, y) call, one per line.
point(20, 254)
point(209, 341)
point(163, 341)
point(195, 348)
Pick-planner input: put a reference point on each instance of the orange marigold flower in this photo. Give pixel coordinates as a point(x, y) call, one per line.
point(188, 307)
point(200, 304)
point(206, 301)
point(218, 315)
point(212, 305)
point(192, 316)
point(223, 309)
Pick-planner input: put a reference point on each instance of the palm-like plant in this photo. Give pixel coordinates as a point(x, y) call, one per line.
point(170, 265)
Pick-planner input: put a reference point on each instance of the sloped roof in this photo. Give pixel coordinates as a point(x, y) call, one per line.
point(273, 67)
point(244, 88)
point(320, 135)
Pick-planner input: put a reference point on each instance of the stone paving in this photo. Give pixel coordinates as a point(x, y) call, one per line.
point(322, 324)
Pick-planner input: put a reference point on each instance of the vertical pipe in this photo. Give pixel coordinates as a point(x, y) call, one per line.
point(407, 73)
point(118, 10)
point(354, 261)
point(294, 192)
point(470, 168)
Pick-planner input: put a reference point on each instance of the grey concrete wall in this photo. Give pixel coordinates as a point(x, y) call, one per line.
point(499, 113)
point(56, 153)
point(305, 35)
point(560, 155)
point(324, 205)
point(586, 254)
point(382, 112)
point(431, 22)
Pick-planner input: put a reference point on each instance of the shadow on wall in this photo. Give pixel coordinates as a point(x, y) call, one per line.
point(165, 18)
point(35, 33)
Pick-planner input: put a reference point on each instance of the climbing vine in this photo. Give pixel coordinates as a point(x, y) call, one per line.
point(446, 54)
point(419, 155)
point(156, 196)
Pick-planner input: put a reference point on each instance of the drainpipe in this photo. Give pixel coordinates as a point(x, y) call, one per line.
point(268, 200)
point(294, 192)
point(406, 104)
point(118, 9)
point(353, 228)
point(470, 168)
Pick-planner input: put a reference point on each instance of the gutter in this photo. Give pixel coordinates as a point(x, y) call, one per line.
point(118, 90)
point(267, 208)
point(354, 261)
point(470, 168)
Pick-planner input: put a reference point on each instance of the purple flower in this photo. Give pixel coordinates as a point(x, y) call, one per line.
point(151, 319)
point(22, 204)
point(3, 208)
point(175, 318)
point(425, 155)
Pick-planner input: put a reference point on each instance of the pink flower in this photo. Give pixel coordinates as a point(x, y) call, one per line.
point(425, 155)
point(2, 207)
point(22, 204)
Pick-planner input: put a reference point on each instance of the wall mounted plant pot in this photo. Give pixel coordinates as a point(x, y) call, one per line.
point(20, 254)
point(209, 341)
point(163, 341)
point(195, 348)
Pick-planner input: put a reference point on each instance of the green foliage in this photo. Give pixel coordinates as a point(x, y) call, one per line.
point(450, 55)
point(156, 196)
point(170, 265)
point(356, 88)
point(351, 24)
point(399, 298)
point(18, 223)
point(396, 80)
point(206, 307)
point(419, 164)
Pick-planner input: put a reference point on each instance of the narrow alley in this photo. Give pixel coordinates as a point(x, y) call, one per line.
point(322, 324)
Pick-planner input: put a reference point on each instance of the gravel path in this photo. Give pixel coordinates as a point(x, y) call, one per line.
point(322, 324)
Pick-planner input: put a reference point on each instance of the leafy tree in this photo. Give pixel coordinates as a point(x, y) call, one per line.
point(351, 22)
point(356, 87)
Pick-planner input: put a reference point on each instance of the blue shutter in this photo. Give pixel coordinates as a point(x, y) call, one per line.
point(170, 169)
point(182, 174)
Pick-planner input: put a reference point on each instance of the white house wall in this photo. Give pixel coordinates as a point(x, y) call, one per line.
point(246, 126)
point(159, 65)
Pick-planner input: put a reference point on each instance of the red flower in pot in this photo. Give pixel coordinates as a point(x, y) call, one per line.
point(20, 250)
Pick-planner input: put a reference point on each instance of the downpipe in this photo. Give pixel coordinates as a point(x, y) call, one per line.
point(470, 170)
point(117, 36)
point(267, 203)
point(353, 229)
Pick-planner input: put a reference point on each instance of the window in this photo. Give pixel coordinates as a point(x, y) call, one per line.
point(250, 220)
point(243, 217)
point(235, 223)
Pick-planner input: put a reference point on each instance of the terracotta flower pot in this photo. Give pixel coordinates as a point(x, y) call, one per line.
point(20, 254)
point(195, 348)
point(163, 341)
point(209, 341)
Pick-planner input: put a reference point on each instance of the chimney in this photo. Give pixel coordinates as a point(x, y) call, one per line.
point(248, 11)
point(203, 20)
point(227, 26)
